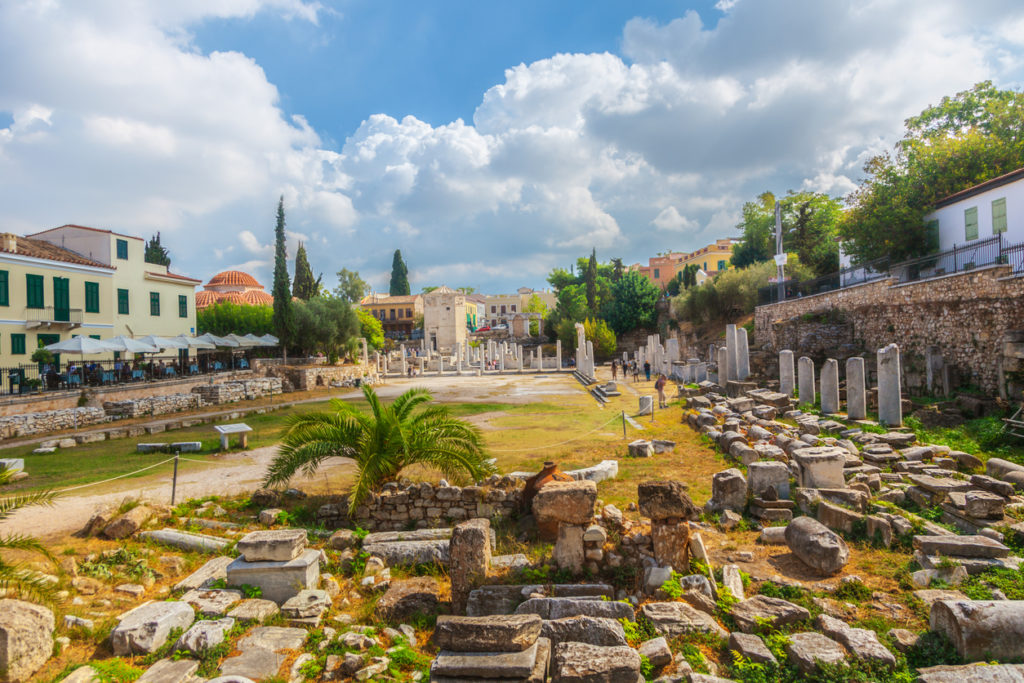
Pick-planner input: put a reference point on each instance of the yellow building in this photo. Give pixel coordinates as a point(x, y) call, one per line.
point(711, 259)
point(397, 314)
point(499, 309)
point(75, 280)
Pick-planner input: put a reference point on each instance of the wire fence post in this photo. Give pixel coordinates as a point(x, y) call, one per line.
point(174, 481)
point(623, 424)
point(652, 409)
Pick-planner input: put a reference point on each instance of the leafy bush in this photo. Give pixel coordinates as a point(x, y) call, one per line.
point(732, 293)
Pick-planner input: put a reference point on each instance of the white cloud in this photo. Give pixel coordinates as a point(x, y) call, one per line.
point(119, 120)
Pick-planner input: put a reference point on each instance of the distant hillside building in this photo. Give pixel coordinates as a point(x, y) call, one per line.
point(234, 286)
point(500, 309)
point(397, 314)
point(711, 259)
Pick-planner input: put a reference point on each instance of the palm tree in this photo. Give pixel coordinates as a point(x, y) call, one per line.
point(382, 442)
point(14, 576)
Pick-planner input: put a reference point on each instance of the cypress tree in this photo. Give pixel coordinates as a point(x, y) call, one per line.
point(156, 252)
point(399, 276)
point(590, 278)
point(284, 322)
point(304, 286)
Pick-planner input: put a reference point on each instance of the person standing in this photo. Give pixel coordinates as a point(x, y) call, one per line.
point(660, 386)
point(636, 371)
point(615, 370)
point(647, 370)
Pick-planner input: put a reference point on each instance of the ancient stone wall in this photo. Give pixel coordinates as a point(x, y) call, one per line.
point(50, 421)
point(962, 317)
point(244, 390)
point(304, 378)
point(153, 405)
point(424, 505)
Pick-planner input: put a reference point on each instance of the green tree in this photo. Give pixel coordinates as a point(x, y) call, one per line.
point(382, 441)
point(284, 323)
point(303, 285)
point(325, 325)
point(689, 274)
point(675, 285)
point(156, 252)
point(351, 287)
point(617, 269)
point(590, 279)
point(536, 305)
point(226, 317)
point(632, 304)
point(731, 294)
point(399, 276)
point(966, 139)
point(810, 223)
point(602, 336)
point(15, 577)
point(371, 329)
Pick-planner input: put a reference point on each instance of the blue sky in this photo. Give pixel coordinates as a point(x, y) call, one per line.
point(489, 141)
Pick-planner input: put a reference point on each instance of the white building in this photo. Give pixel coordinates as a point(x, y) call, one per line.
point(988, 209)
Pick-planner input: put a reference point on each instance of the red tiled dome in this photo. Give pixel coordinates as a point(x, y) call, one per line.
point(257, 297)
point(234, 277)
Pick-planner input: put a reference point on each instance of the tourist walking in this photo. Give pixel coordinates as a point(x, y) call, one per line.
point(636, 371)
point(647, 370)
point(660, 386)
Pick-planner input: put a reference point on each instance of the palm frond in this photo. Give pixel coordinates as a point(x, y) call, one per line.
point(16, 579)
point(408, 401)
point(24, 543)
point(11, 504)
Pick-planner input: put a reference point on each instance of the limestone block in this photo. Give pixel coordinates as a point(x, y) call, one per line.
point(981, 629)
point(278, 545)
point(816, 546)
point(26, 639)
point(511, 633)
point(583, 663)
point(821, 466)
point(147, 627)
point(665, 500)
point(568, 550)
point(277, 580)
point(470, 555)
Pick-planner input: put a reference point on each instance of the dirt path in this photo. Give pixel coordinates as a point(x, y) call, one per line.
point(235, 474)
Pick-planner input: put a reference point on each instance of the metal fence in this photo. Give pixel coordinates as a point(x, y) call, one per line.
point(70, 373)
point(987, 252)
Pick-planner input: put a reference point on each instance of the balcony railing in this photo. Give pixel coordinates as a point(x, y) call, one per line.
point(51, 315)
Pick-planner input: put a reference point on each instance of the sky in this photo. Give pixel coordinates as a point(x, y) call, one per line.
point(489, 141)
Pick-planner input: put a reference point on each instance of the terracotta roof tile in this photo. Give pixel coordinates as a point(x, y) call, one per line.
point(41, 249)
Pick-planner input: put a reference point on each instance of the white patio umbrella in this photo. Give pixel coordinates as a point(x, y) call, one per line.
point(194, 342)
point(270, 340)
point(242, 341)
point(127, 344)
point(79, 345)
point(216, 341)
point(164, 342)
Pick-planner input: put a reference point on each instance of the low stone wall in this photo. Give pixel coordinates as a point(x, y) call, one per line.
point(154, 405)
point(50, 421)
point(304, 378)
point(231, 392)
point(425, 505)
point(964, 318)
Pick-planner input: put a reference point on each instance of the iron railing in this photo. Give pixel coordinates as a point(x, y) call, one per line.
point(959, 259)
point(49, 315)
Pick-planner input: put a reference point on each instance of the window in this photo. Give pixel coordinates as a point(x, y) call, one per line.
point(408, 313)
point(94, 336)
point(721, 265)
point(5, 299)
point(391, 312)
point(971, 223)
point(92, 297)
point(182, 306)
point(503, 310)
point(122, 249)
point(401, 313)
point(34, 291)
point(998, 216)
point(154, 303)
point(657, 273)
point(705, 268)
point(122, 302)
point(494, 309)
point(513, 308)
point(18, 344)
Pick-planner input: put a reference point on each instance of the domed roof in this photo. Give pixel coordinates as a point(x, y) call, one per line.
point(234, 277)
point(257, 297)
point(205, 298)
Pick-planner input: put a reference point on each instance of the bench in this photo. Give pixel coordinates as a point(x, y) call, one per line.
point(226, 431)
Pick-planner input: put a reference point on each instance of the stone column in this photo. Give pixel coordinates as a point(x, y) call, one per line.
point(469, 554)
point(366, 355)
point(440, 364)
point(458, 364)
point(742, 355)
point(501, 358)
point(558, 355)
point(423, 362)
point(723, 367)
point(787, 373)
point(830, 387)
point(805, 378)
point(520, 360)
point(890, 410)
point(731, 357)
point(856, 401)
point(590, 358)
point(405, 369)
point(540, 358)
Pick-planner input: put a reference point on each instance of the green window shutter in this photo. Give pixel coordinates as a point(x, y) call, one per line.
point(182, 306)
point(122, 249)
point(18, 344)
point(971, 223)
point(34, 297)
point(5, 298)
point(931, 233)
point(999, 216)
point(94, 336)
point(92, 297)
point(154, 303)
point(122, 302)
